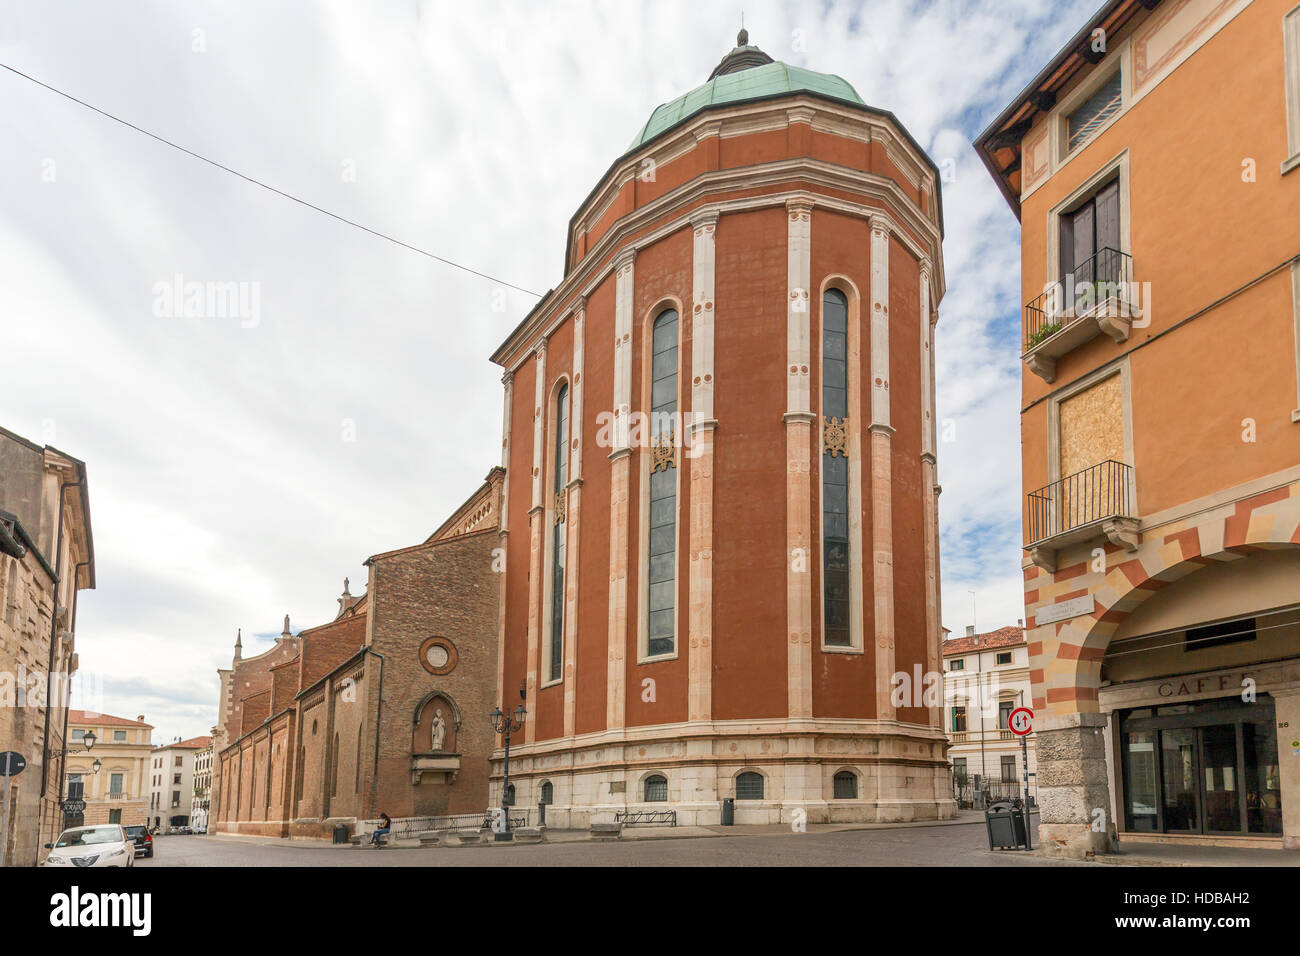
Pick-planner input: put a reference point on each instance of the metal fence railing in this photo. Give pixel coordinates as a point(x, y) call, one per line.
point(1106, 274)
point(1102, 491)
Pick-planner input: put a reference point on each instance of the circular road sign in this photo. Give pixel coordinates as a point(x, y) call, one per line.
point(1021, 721)
point(12, 763)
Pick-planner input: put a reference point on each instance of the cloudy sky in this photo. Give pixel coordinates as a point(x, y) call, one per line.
point(240, 467)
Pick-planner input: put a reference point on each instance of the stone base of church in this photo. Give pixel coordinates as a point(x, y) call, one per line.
point(900, 773)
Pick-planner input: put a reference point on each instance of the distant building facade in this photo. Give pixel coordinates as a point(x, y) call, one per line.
point(47, 558)
point(202, 799)
point(383, 709)
point(985, 678)
point(117, 791)
point(173, 778)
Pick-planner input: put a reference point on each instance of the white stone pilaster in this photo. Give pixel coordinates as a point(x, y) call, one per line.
point(798, 444)
point(882, 512)
point(573, 517)
point(700, 612)
point(536, 535)
point(619, 503)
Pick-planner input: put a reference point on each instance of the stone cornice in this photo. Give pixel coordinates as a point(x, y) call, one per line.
point(584, 277)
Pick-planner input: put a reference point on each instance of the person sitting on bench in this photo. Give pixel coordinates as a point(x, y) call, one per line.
point(381, 831)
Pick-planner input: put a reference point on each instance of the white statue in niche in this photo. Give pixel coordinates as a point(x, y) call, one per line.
point(437, 731)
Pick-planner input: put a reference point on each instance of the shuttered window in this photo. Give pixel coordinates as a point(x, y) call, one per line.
point(1095, 112)
point(1090, 238)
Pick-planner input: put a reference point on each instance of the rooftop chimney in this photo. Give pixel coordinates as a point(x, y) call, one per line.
point(1020, 623)
point(140, 718)
point(970, 630)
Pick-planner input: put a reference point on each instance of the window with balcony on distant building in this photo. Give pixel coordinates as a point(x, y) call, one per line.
point(115, 784)
point(1090, 240)
point(959, 719)
point(1005, 707)
point(1095, 112)
point(76, 787)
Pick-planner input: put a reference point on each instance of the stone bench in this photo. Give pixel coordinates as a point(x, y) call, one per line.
point(467, 837)
point(529, 835)
point(606, 831)
point(430, 838)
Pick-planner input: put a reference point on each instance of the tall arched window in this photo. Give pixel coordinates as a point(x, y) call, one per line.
point(558, 535)
point(835, 468)
point(548, 793)
point(663, 484)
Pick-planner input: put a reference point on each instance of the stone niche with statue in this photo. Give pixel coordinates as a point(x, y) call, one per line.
point(434, 757)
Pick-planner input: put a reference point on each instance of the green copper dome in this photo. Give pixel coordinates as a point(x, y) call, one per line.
point(737, 79)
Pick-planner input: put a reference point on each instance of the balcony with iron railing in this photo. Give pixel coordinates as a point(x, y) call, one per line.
point(1096, 502)
point(1098, 296)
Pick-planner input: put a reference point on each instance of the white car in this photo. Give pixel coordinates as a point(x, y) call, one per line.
point(104, 845)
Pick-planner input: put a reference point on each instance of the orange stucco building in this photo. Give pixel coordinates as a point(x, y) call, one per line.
point(720, 512)
point(1160, 212)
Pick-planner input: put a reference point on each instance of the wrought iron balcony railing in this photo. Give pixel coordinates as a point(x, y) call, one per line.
point(1107, 275)
point(1096, 501)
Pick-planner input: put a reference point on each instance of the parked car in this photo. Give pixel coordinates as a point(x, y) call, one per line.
point(143, 839)
point(103, 845)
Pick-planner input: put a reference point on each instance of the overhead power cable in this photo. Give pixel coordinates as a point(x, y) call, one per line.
point(268, 186)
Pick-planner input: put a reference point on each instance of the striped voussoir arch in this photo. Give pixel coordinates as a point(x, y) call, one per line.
point(1065, 657)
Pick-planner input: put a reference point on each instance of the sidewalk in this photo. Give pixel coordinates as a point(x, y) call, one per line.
point(1163, 854)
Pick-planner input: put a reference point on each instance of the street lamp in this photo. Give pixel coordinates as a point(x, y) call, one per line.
point(506, 724)
point(94, 767)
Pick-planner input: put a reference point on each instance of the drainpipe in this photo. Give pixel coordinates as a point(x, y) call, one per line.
point(379, 707)
point(54, 630)
point(63, 758)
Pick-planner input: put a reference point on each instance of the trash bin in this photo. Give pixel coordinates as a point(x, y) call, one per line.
point(341, 834)
point(1006, 827)
point(728, 811)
